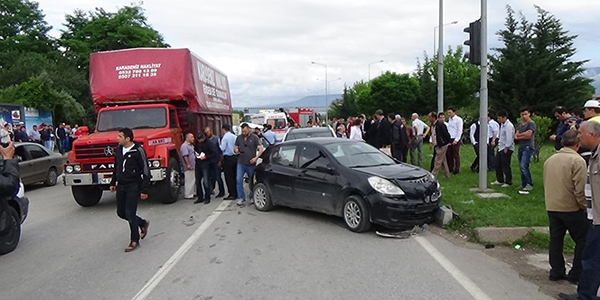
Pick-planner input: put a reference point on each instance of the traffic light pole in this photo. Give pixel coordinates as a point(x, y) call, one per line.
point(440, 77)
point(483, 105)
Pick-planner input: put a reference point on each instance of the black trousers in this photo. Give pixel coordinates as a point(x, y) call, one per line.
point(230, 169)
point(215, 177)
point(475, 164)
point(503, 171)
point(399, 152)
point(577, 224)
point(127, 201)
point(432, 161)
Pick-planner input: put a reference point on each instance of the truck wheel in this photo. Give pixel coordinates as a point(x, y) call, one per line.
point(86, 195)
point(170, 187)
point(10, 240)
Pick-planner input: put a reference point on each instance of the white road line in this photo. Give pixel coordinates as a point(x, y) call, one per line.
point(458, 275)
point(164, 270)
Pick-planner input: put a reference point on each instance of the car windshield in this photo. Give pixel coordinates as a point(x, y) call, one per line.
point(308, 134)
point(134, 118)
point(277, 123)
point(358, 155)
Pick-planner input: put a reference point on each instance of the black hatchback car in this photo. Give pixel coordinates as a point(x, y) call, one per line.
point(345, 178)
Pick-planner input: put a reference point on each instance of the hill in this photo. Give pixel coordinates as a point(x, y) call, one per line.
point(308, 101)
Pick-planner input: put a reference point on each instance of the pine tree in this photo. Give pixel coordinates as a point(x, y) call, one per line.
point(535, 67)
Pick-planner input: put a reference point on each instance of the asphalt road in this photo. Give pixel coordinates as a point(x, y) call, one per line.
point(220, 251)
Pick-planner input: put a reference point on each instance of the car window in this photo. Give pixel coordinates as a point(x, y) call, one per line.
point(358, 155)
point(284, 155)
point(22, 154)
point(310, 157)
point(36, 151)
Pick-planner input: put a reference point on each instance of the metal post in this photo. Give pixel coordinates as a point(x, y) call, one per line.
point(483, 105)
point(326, 95)
point(441, 59)
point(434, 38)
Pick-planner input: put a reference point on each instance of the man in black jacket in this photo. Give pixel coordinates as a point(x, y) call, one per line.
point(398, 138)
point(383, 130)
point(131, 180)
point(9, 183)
point(440, 138)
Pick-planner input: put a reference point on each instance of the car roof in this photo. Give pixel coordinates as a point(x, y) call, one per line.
point(323, 141)
point(310, 129)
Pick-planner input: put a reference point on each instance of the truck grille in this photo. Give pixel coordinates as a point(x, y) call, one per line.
point(95, 151)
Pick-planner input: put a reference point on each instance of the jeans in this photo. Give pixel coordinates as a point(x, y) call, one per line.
point(216, 177)
point(524, 156)
point(48, 144)
point(416, 144)
point(577, 224)
point(66, 145)
point(590, 261)
point(239, 179)
point(203, 180)
point(127, 201)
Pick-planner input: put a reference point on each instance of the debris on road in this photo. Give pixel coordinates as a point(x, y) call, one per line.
point(404, 234)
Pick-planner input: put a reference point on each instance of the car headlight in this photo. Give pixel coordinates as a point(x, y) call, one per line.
point(69, 169)
point(155, 164)
point(385, 187)
point(77, 168)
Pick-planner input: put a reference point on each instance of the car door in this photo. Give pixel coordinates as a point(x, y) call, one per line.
point(41, 161)
point(281, 174)
point(317, 186)
point(26, 166)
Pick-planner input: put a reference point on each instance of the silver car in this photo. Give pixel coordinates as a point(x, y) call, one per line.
point(38, 164)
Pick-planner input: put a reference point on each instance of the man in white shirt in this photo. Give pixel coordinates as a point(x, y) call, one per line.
point(506, 147)
point(420, 131)
point(493, 131)
point(474, 137)
point(4, 134)
point(455, 128)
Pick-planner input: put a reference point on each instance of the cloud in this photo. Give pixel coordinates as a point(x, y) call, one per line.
point(266, 46)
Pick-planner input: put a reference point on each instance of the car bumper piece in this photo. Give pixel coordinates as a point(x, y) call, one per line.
point(104, 178)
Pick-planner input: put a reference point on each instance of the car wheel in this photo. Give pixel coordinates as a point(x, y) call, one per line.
point(10, 240)
point(262, 198)
point(356, 214)
point(51, 177)
point(86, 195)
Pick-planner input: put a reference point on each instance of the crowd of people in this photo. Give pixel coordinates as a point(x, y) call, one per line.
point(61, 137)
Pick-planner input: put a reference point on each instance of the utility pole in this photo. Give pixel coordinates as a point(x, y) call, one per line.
point(440, 78)
point(483, 105)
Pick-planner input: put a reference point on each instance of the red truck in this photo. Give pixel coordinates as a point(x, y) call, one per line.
point(160, 94)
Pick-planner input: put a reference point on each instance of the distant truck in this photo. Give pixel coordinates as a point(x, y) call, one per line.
point(160, 94)
point(278, 121)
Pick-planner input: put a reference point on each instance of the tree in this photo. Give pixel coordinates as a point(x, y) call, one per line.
point(104, 31)
point(461, 81)
point(535, 67)
point(23, 29)
point(38, 93)
point(392, 93)
point(342, 108)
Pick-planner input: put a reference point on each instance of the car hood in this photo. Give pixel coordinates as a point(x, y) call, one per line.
point(397, 171)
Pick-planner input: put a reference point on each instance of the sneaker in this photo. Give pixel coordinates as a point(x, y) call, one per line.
point(251, 201)
point(240, 202)
point(505, 185)
point(528, 188)
point(497, 183)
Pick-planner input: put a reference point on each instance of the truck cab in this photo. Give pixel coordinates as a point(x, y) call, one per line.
point(156, 127)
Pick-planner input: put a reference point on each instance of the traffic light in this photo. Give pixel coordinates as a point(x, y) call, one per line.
point(474, 42)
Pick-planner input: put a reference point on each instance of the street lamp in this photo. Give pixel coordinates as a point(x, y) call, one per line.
point(375, 62)
point(435, 34)
point(326, 91)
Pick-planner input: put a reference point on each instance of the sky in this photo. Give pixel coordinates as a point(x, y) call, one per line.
point(266, 46)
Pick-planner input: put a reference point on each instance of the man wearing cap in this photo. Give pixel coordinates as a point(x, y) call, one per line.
point(34, 135)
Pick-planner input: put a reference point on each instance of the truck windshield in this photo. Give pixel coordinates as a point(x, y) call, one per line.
point(134, 118)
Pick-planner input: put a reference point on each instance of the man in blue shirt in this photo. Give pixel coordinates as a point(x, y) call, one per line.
point(269, 136)
point(229, 161)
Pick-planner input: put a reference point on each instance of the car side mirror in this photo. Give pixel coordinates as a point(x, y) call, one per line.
point(326, 170)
